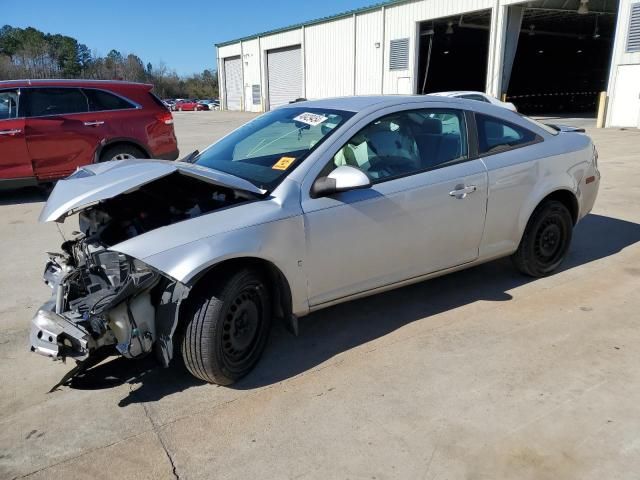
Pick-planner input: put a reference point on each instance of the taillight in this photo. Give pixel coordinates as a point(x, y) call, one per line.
point(165, 117)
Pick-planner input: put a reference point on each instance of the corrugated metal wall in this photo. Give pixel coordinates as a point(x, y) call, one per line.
point(621, 58)
point(369, 53)
point(331, 47)
point(251, 64)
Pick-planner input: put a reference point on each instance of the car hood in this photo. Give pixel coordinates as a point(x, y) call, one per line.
point(94, 183)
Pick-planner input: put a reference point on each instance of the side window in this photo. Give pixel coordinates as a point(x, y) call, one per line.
point(99, 100)
point(8, 104)
point(54, 101)
point(479, 98)
point(495, 135)
point(404, 143)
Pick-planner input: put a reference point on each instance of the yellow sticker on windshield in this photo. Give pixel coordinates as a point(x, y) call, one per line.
point(283, 163)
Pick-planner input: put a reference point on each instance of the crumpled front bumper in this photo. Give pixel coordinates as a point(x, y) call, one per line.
point(53, 335)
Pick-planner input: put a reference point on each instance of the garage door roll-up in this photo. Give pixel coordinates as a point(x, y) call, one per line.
point(233, 83)
point(284, 67)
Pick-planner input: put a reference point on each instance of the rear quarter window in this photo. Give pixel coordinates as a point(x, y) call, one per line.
point(99, 101)
point(496, 135)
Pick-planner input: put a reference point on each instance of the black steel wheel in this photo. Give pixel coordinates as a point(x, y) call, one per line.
point(546, 240)
point(227, 329)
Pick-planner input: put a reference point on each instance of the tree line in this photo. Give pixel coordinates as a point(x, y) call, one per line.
point(30, 53)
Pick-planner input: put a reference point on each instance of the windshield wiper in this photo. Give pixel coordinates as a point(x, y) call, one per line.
point(190, 158)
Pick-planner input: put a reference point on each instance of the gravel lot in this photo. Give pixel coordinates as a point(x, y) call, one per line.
point(483, 374)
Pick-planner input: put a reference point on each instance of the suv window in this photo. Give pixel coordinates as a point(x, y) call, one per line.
point(54, 101)
point(479, 98)
point(8, 104)
point(404, 143)
point(495, 135)
point(99, 100)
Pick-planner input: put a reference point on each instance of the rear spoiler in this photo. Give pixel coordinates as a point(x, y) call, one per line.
point(565, 128)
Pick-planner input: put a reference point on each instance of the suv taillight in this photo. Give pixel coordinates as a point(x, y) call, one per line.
point(165, 117)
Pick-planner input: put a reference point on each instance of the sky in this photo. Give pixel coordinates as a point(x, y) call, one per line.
point(180, 33)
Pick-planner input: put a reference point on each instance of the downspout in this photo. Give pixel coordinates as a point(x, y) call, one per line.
point(355, 52)
point(384, 21)
point(304, 62)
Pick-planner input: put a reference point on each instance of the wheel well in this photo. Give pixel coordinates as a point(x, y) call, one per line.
point(277, 283)
point(116, 143)
point(568, 199)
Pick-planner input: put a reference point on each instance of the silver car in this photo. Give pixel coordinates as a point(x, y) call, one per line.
point(307, 206)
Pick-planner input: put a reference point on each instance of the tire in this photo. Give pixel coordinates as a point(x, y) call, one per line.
point(121, 152)
point(546, 240)
point(227, 329)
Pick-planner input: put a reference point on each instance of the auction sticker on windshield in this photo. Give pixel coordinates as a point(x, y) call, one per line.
point(283, 163)
point(312, 119)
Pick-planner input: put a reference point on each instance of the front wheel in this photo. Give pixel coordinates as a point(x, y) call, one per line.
point(546, 240)
point(227, 328)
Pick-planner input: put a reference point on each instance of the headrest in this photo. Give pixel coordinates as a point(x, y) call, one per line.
point(432, 126)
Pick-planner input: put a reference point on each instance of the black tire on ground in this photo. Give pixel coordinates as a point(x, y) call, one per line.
point(227, 328)
point(546, 240)
point(121, 152)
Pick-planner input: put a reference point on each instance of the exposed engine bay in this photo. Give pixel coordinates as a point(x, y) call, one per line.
point(105, 299)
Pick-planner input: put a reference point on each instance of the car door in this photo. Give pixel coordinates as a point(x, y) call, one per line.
point(424, 212)
point(14, 157)
point(61, 133)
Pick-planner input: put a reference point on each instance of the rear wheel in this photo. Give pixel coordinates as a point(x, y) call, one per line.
point(546, 240)
point(121, 152)
point(227, 328)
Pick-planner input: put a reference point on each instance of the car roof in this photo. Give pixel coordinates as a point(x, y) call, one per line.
point(458, 92)
point(359, 103)
point(70, 83)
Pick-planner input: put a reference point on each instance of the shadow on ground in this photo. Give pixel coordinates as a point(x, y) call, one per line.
point(23, 196)
point(337, 329)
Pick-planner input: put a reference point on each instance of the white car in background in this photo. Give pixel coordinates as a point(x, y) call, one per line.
point(478, 96)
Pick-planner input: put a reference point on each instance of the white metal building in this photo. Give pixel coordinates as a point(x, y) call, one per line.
point(544, 55)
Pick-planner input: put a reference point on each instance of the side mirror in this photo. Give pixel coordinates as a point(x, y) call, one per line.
point(342, 179)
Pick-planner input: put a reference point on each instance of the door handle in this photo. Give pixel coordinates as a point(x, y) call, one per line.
point(95, 123)
point(14, 131)
point(462, 191)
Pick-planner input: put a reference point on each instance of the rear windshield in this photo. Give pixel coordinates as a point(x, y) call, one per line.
point(267, 149)
point(553, 130)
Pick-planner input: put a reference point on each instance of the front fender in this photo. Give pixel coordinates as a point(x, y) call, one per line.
point(280, 242)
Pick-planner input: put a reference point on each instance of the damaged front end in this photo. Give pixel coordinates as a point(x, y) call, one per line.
point(100, 299)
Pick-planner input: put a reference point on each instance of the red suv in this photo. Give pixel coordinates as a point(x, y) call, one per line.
point(48, 128)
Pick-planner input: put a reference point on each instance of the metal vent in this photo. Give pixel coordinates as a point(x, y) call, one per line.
point(399, 54)
point(633, 40)
point(255, 93)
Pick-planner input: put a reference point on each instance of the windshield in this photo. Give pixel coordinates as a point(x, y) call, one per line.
point(267, 149)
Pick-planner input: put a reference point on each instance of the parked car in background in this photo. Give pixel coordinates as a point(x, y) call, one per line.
point(210, 104)
point(309, 205)
point(49, 128)
point(478, 96)
point(169, 103)
point(188, 106)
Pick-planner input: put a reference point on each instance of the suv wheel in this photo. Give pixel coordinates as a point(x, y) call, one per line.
point(121, 152)
point(546, 240)
point(227, 328)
